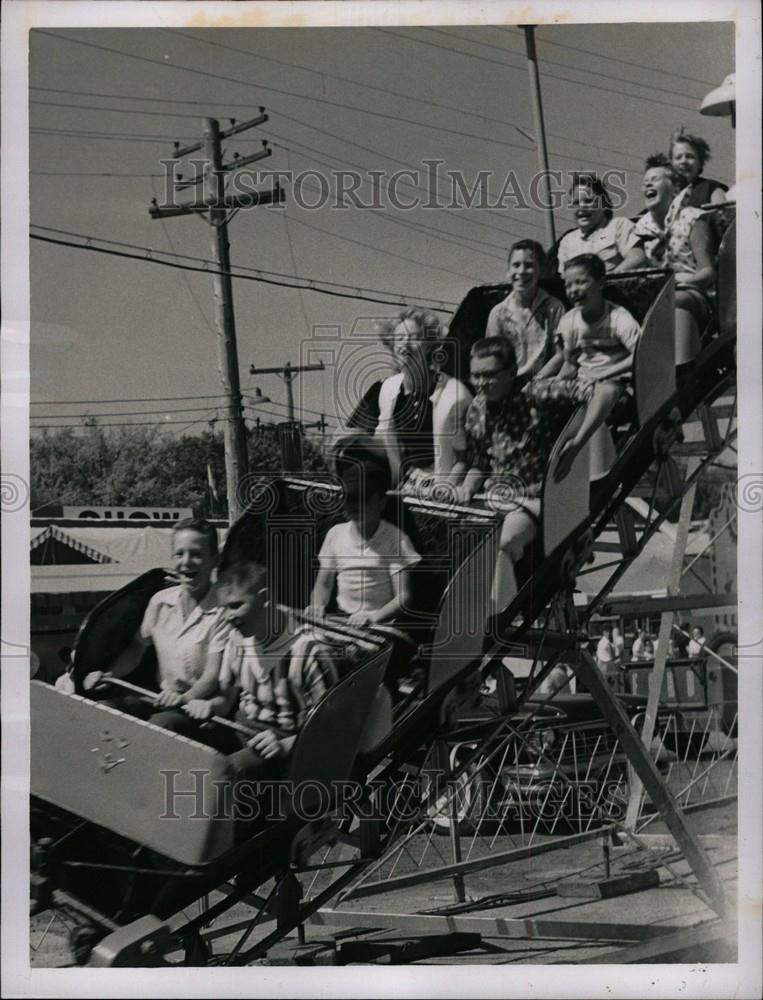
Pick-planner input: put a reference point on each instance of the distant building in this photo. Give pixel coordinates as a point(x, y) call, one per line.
point(112, 513)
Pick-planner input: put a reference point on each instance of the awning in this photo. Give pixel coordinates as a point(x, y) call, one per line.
point(66, 537)
point(80, 579)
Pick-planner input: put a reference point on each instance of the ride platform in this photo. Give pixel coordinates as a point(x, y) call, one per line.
point(515, 914)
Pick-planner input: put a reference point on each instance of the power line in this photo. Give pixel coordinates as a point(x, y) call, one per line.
point(410, 184)
point(70, 133)
point(366, 149)
point(121, 413)
point(151, 137)
point(203, 260)
point(449, 211)
point(233, 274)
point(388, 253)
point(342, 79)
point(546, 73)
point(123, 423)
point(229, 104)
point(447, 107)
point(555, 62)
point(131, 399)
point(122, 111)
point(285, 406)
point(85, 173)
point(288, 93)
point(619, 60)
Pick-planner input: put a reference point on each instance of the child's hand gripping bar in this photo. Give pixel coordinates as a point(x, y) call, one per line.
point(151, 696)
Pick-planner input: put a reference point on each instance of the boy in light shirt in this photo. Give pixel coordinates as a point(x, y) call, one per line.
point(528, 315)
point(366, 557)
point(594, 360)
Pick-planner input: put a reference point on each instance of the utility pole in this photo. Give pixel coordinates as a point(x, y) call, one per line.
point(540, 130)
point(288, 373)
point(215, 206)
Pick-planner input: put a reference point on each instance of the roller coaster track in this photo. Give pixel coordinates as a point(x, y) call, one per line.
point(374, 856)
point(417, 743)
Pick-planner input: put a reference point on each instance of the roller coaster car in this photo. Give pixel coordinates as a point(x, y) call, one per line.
point(129, 819)
point(102, 832)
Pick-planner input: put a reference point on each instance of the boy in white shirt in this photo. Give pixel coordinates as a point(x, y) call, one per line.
point(366, 557)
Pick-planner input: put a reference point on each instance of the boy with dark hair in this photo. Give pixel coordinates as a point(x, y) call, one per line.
point(272, 690)
point(528, 316)
point(509, 437)
point(611, 239)
point(366, 557)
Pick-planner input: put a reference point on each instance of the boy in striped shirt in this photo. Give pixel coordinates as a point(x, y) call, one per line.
point(273, 689)
point(594, 359)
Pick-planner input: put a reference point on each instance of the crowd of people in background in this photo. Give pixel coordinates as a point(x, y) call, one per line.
point(686, 642)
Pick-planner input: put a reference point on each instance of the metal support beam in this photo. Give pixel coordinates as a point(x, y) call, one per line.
point(663, 640)
point(525, 928)
point(721, 603)
point(472, 865)
point(647, 771)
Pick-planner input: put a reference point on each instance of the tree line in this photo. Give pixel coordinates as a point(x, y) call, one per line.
point(137, 466)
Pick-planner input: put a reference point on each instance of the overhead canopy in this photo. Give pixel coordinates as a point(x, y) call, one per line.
point(96, 558)
point(141, 547)
point(89, 578)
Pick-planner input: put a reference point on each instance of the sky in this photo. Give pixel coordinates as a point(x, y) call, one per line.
point(106, 106)
point(108, 328)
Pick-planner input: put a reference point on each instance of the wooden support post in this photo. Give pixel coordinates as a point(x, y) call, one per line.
point(540, 129)
point(236, 459)
point(666, 627)
point(639, 756)
point(451, 790)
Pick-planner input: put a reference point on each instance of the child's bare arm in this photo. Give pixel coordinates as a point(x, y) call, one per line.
point(633, 259)
point(401, 586)
point(554, 365)
point(207, 684)
point(459, 468)
point(702, 247)
point(221, 704)
point(613, 370)
point(473, 479)
point(322, 590)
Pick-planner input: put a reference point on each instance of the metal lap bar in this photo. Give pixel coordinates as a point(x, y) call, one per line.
point(449, 510)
